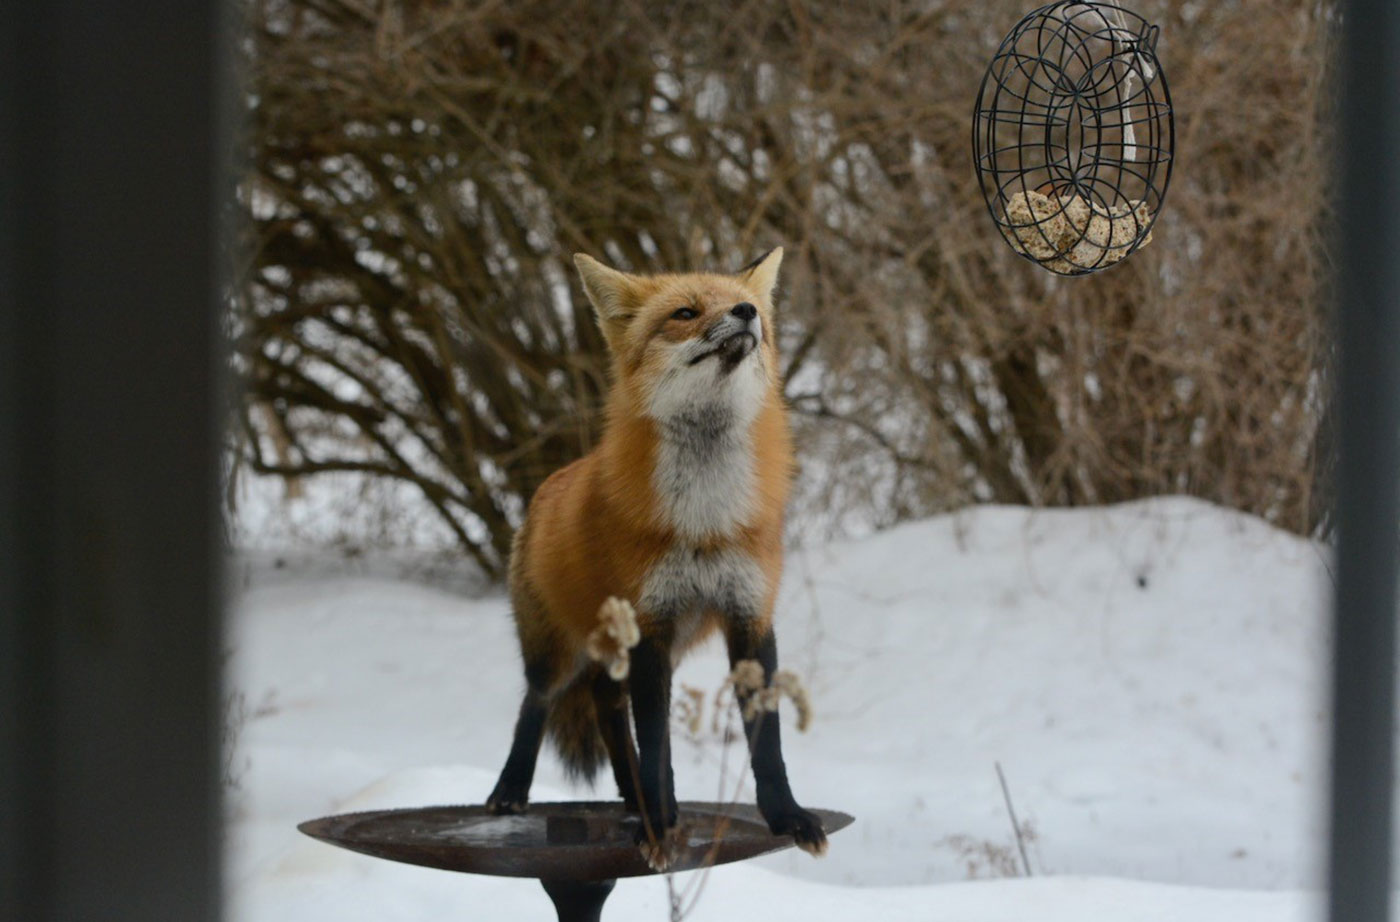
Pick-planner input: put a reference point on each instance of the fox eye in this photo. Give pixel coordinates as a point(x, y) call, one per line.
point(685, 313)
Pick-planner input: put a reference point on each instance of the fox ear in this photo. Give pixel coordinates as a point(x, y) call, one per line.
point(610, 292)
point(762, 273)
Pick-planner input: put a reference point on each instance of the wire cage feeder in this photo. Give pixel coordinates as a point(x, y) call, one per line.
point(1073, 136)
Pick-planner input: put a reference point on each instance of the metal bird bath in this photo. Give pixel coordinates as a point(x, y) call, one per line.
point(576, 850)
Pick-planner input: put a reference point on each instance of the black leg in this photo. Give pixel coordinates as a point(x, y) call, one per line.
point(611, 705)
point(512, 791)
point(775, 800)
point(651, 707)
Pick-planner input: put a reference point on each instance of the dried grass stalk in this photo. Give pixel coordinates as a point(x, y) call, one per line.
point(611, 642)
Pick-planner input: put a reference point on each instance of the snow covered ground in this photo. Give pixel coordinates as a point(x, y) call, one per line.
point(1150, 678)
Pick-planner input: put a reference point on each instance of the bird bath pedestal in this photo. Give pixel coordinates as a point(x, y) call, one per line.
point(576, 850)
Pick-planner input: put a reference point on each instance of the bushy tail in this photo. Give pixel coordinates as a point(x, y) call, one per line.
point(573, 726)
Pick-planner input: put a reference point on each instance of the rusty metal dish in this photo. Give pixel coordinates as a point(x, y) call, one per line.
point(580, 841)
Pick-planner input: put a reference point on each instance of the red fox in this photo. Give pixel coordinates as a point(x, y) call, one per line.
point(679, 510)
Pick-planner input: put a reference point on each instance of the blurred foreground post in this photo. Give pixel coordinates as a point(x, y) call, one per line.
point(1368, 394)
point(108, 598)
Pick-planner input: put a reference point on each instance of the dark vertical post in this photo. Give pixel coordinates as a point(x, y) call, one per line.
point(108, 593)
point(579, 900)
point(1368, 468)
point(11, 657)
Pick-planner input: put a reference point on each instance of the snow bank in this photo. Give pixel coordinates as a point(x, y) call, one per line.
point(1149, 676)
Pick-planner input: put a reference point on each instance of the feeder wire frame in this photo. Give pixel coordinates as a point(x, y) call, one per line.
point(1057, 115)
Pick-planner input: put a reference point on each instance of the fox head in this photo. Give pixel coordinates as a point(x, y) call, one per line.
point(684, 347)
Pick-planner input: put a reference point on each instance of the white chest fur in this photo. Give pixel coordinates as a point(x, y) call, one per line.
point(704, 466)
point(704, 479)
point(687, 582)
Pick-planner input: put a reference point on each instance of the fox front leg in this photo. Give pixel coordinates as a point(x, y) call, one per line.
point(775, 801)
point(650, 682)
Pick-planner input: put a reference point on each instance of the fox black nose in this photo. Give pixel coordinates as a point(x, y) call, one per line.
point(744, 311)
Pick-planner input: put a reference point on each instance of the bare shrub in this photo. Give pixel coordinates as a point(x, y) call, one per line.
point(418, 174)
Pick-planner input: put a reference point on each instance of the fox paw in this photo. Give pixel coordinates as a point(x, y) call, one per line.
point(507, 802)
point(805, 828)
point(661, 849)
